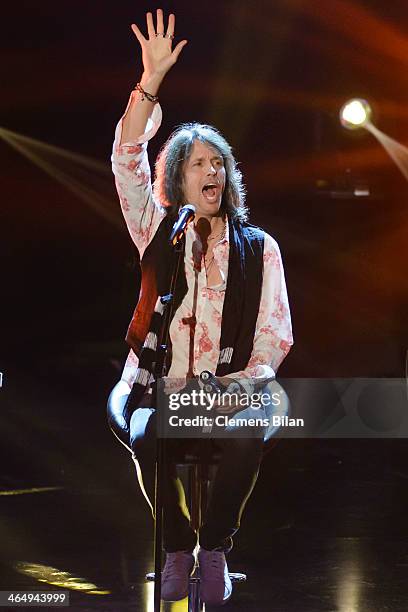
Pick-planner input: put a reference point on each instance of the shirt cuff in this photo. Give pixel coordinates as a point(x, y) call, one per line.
point(153, 124)
point(253, 378)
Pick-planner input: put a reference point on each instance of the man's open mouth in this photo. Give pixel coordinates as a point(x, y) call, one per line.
point(210, 191)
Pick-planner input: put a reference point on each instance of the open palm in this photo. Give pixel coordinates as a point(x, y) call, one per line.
point(157, 53)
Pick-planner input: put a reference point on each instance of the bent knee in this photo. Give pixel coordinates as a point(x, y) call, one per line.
point(142, 430)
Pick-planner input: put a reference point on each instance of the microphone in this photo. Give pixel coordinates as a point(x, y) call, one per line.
point(186, 214)
point(210, 383)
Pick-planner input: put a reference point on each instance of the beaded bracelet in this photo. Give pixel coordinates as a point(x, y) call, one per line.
point(145, 94)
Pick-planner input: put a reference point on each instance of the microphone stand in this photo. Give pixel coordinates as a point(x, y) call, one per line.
point(160, 371)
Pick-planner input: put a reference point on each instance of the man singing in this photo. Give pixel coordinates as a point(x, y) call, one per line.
point(231, 314)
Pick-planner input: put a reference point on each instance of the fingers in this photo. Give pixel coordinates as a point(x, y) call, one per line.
point(138, 33)
point(171, 25)
point(160, 24)
point(178, 48)
point(150, 26)
point(159, 30)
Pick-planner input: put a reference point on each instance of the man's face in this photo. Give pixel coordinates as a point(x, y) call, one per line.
point(204, 179)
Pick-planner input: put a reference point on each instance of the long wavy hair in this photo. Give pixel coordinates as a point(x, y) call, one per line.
point(168, 184)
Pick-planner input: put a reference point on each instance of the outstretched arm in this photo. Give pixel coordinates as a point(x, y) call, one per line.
point(158, 57)
point(130, 163)
point(129, 160)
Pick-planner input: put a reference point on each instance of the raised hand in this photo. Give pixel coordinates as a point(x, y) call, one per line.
point(158, 57)
point(157, 53)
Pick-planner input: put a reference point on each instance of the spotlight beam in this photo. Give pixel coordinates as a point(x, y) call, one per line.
point(92, 171)
point(356, 113)
point(397, 151)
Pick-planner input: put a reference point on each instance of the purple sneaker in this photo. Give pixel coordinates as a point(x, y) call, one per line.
point(215, 583)
point(176, 574)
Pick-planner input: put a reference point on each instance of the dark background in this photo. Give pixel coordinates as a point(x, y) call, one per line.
point(272, 77)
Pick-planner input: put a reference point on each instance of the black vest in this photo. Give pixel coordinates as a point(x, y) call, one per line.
point(242, 294)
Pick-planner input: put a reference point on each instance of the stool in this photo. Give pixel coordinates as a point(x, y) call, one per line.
point(198, 477)
point(198, 469)
point(198, 481)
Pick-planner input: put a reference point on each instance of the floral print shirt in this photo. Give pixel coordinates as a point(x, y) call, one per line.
point(196, 326)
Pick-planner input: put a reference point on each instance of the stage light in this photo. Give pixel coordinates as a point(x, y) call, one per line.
point(355, 113)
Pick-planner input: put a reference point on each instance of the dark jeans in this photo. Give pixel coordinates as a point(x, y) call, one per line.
point(234, 481)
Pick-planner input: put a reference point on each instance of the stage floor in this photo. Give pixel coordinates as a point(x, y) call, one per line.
point(325, 530)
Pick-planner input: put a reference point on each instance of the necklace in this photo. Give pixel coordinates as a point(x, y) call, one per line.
point(220, 234)
point(208, 263)
point(216, 236)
